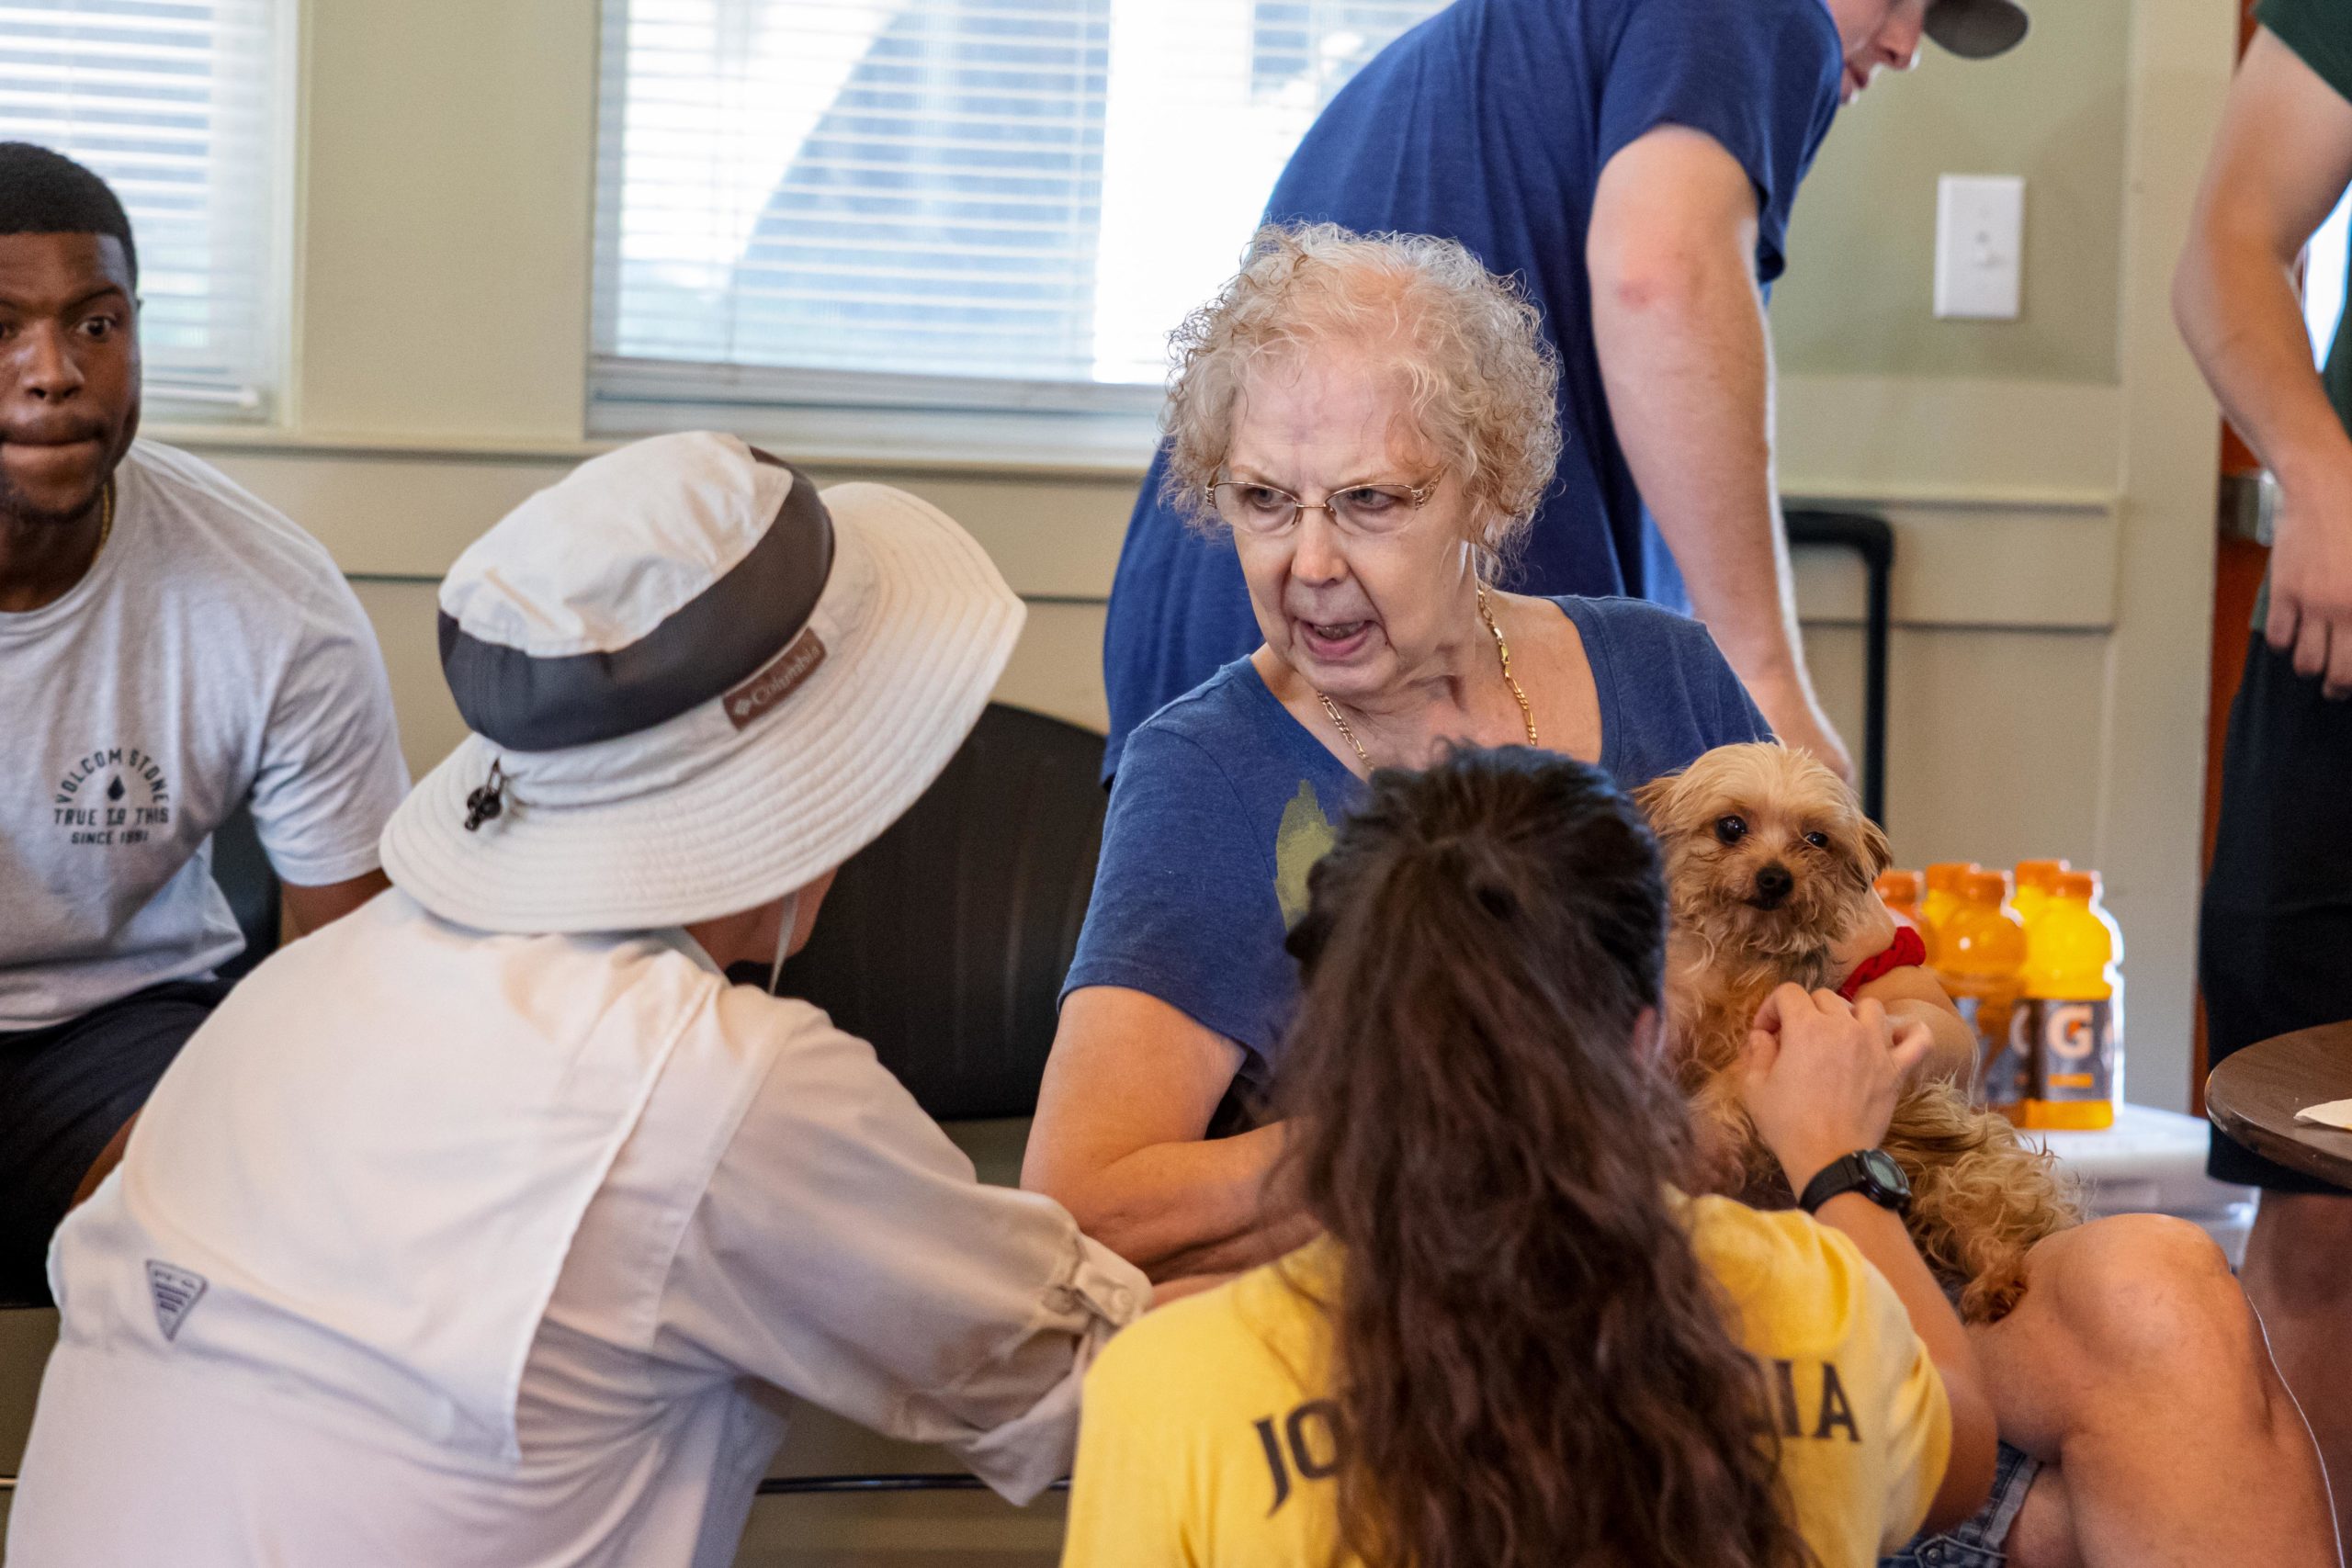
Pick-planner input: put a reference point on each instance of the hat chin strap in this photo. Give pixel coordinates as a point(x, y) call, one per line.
point(784, 937)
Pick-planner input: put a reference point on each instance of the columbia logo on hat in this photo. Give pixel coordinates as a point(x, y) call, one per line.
point(758, 696)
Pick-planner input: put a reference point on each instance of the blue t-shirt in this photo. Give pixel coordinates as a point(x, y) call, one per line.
point(1226, 801)
point(1491, 123)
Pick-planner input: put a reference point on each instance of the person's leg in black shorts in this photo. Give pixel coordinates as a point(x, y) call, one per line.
point(2275, 955)
point(68, 1089)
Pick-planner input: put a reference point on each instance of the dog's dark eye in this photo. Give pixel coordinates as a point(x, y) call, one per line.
point(1818, 841)
point(1730, 829)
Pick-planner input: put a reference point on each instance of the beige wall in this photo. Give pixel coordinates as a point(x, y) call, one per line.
point(2050, 478)
point(1863, 233)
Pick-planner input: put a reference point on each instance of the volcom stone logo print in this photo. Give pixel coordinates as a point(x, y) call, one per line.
point(112, 797)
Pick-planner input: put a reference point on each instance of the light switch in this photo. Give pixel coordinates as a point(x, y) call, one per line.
point(1980, 244)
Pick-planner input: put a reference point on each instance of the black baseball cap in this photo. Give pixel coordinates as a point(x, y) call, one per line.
point(1977, 30)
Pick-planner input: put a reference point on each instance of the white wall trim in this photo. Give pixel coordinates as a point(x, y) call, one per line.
point(403, 509)
point(1845, 440)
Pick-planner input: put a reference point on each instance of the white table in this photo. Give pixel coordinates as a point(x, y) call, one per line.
point(2152, 1161)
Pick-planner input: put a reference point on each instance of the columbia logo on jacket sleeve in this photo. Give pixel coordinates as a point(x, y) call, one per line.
point(176, 1291)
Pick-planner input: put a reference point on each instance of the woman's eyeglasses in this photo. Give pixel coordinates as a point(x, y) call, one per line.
point(1260, 510)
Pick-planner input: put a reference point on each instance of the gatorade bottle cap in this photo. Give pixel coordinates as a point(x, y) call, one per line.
point(1985, 887)
point(1899, 887)
point(2040, 873)
point(1945, 876)
point(2083, 885)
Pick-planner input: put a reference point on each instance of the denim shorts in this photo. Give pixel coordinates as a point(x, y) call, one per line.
point(1981, 1540)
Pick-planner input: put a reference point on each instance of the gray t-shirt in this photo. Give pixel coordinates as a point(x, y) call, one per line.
point(211, 654)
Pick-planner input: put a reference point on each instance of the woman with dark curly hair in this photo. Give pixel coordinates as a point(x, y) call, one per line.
point(1518, 1343)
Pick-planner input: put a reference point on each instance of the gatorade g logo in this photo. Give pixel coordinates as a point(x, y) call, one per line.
point(2070, 1047)
point(1989, 1016)
point(2001, 1078)
point(2069, 1032)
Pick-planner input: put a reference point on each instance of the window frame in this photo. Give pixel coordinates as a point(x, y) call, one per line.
point(199, 405)
point(863, 415)
point(833, 414)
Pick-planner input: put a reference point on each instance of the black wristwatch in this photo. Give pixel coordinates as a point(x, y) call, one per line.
point(1871, 1172)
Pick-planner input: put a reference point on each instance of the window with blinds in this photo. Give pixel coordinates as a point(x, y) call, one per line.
point(178, 104)
point(981, 203)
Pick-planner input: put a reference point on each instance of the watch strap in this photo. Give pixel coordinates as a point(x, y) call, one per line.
point(1853, 1173)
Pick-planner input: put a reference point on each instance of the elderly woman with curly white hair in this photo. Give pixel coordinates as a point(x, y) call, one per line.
point(1371, 421)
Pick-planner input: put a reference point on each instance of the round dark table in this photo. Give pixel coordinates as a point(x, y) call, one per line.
point(2253, 1096)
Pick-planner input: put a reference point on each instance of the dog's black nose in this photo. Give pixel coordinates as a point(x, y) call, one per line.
point(1773, 884)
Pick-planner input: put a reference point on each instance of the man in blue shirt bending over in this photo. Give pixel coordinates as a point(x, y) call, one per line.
point(1634, 161)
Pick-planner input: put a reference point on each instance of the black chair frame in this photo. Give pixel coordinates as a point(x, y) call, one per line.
point(1873, 540)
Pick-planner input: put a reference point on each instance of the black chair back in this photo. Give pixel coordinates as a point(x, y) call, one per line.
point(243, 872)
point(1873, 539)
point(945, 941)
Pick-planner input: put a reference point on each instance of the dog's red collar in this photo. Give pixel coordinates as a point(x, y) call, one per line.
point(1904, 952)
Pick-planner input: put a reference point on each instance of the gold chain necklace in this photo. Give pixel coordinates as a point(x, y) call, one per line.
point(1502, 652)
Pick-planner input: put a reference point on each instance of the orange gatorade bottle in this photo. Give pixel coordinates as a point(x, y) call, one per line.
point(1980, 951)
point(2068, 1030)
point(1900, 892)
point(2035, 878)
point(1943, 895)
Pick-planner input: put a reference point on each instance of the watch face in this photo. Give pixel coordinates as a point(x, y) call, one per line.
point(1884, 1171)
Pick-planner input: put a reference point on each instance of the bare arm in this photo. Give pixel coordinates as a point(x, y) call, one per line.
point(1879, 1235)
point(1911, 996)
point(1678, 326)
point(2283, 157)
point(311, 908)
point(1120, 1141)
point(1820, 1082)
point(842, 1250)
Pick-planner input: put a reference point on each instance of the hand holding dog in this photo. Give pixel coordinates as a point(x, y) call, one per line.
point(1820, 1076)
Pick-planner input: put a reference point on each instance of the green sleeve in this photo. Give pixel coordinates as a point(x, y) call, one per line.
point(2320, 31)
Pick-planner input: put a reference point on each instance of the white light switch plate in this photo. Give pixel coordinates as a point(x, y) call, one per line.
point(1980, 244)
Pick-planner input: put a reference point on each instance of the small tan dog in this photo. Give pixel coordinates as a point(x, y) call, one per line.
point(1769, 865)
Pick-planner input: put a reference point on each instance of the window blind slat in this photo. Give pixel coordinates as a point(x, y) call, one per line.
point(941, 191)
point(176, 104)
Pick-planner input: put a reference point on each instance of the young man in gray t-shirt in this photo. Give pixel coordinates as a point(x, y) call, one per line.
point(170, 649)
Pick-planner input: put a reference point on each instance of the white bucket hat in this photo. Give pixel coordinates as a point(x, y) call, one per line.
point(694, 686)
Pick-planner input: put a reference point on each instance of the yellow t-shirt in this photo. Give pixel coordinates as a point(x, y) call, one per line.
point(1200, 1443)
